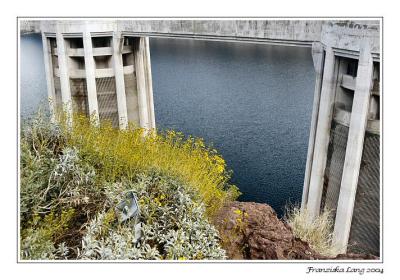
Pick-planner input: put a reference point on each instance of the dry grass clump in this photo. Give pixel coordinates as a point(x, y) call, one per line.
point(318, 233)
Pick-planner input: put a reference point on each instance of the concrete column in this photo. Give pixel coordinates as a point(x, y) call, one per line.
point(117, 45)
point(318, 59)
point(149, 83)
point(90, 68)
point(354, 149)
point(141, 80)
point(322, 135)
point(48, 67)
point(64, 74)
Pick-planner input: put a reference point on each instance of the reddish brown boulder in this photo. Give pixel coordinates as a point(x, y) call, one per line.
point(252, 230)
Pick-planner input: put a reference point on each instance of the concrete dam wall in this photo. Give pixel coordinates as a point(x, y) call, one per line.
point(102, 68)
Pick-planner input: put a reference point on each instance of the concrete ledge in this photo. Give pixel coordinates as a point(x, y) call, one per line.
point(76, 52)
point(128, 70)
point(278, 42)
point(96, 51)
point(102, 51)
point(104, 73)
point(100, 73)
point(343, 117)
point(348, 82)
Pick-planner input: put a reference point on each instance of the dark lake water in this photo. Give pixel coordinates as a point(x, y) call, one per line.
point(252, 102)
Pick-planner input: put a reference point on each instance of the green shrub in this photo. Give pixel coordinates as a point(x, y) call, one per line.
point(72, 178)
point(172, 225)
point(118, 154)
point(39, 238)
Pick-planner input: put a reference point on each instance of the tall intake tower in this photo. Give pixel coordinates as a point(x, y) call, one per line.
point(343, 166)
point(92, 69)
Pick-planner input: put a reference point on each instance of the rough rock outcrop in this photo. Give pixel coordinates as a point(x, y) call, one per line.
point(252, 230)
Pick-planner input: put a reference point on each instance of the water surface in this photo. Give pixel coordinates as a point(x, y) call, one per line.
point(33, 88)
point(252, 102)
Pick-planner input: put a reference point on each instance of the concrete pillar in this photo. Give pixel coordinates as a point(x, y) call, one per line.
point(322, 135)
point(354, 149)
point(141, 80)
point(90, 68)
point(64, 74)
point(117, 45)
point(48, 67)
point(318, 59)
point(149, 83)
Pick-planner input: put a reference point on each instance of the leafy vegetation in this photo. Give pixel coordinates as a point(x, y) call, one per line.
point(174, 227)
point(120, 154)
point(72, 178)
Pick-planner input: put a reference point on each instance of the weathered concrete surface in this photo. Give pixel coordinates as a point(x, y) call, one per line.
point(317, 52)
point(322, 135)
point(90, 70)
point(340, 35)
point(354, 150)
point(64, 73)
point(29, 26)
point(286, 31)
point(348, 35)
point(119, 80)
point(291, 32)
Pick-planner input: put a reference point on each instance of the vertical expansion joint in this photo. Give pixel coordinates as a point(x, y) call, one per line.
point(322, 133)
point(117, 44)
point(317, 52)
point(354, 149)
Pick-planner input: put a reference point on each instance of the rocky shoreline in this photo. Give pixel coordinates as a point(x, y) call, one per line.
point(251, 231)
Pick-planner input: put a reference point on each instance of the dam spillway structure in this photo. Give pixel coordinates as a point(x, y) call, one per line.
point(101, 68)
point(99, 74)
point(343, 165)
